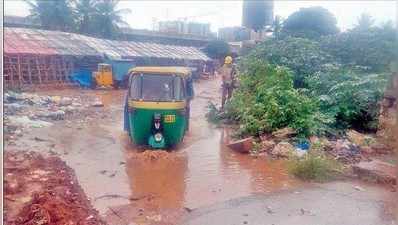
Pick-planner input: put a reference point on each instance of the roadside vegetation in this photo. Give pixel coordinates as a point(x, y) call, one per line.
point(316, 86)
point(314, 79)
point(315, 165)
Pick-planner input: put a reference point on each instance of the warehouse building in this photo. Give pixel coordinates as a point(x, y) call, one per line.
point(42, 57)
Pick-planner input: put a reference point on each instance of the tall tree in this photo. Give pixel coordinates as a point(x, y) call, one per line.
point(217, 49)
point(365, 22)
point(53, 15)
point(84, 11)
point(277, 26)
point(107, 19)
point(311, 22)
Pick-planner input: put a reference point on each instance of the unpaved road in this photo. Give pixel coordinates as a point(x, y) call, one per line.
point(323, 204)
point(131, 187)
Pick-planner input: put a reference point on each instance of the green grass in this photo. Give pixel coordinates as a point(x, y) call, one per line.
point(315, 165)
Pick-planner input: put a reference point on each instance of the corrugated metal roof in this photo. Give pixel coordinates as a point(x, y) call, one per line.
point(35, 41)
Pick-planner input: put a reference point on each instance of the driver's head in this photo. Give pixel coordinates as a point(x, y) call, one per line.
point(157, 117)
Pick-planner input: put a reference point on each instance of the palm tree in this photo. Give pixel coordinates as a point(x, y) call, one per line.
point(84, 11)
point(277, 26)
point(53, 15)
point(107, 20)
point(365, 21)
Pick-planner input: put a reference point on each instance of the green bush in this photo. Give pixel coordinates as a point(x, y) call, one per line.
point(314, 165)
point(373, 48)
point(266, 101)
point(303, 56)
point(348, 97)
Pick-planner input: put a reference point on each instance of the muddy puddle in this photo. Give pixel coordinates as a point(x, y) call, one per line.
point(128, 185)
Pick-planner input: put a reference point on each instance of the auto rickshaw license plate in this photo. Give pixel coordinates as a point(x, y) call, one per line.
point(169, 118)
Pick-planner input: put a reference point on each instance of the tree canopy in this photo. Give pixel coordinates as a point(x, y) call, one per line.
point(108, 19)
point(53, 15)
point(371, 47)
point(311, 22)
point(84, 13)
point(94, 17)
point(217, 49)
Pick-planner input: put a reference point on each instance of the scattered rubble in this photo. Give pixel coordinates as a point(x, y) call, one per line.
point(345, 151)
point(267, 145)
point(359, 138)
point(24, 121)
point(284, 133)
point(283, 149)
point(23, 111)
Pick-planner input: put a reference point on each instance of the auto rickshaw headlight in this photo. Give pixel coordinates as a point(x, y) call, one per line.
point(158, 137)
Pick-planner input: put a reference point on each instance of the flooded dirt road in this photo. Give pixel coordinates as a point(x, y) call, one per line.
point(128, 185)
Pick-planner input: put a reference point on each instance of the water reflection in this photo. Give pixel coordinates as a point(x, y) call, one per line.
point(161, 179)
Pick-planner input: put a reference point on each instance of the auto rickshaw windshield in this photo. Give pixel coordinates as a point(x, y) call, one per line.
point(155, 87)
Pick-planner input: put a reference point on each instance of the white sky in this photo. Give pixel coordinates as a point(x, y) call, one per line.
point(228, 13)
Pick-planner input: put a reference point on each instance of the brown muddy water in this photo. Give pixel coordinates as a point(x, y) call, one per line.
point(128, 185)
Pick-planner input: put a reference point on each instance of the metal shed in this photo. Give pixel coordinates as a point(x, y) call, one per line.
point(33, 56)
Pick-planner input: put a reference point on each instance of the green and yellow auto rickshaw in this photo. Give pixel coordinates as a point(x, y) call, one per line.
point(157, 105)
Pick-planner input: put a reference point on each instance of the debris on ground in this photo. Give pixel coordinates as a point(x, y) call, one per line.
point(283, 150)
point(284, 133)
point(359, 188)
point(43, 190)
point(359, 138)
point(376, 170)
point(269, 210)
point(346, 151)
point(267, 145)
point(25, 122)
point(23, 111)
point(97, 103)
point(242, 146)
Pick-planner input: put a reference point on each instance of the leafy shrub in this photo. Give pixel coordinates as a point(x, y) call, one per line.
point(304, 57)
point(373, 48)
point(314, 165)
point(348, 97)
point(266, 100)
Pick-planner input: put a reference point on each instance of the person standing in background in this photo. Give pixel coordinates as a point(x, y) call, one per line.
point(228, 73)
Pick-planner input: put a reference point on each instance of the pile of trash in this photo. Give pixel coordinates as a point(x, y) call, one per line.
point(352, 148)
point(27, 110)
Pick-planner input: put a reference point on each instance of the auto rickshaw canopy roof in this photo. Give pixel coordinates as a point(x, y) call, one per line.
point(166, 70)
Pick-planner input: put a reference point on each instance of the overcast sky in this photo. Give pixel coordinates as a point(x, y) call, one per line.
point(228, 13)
